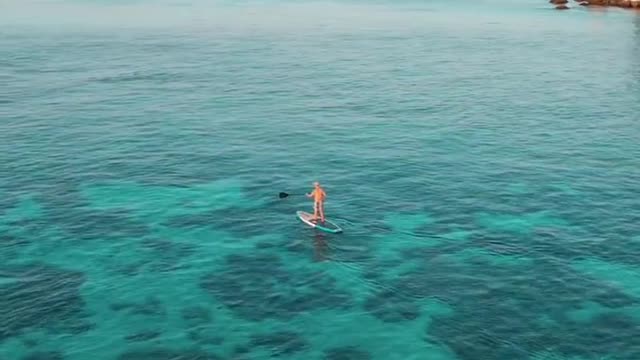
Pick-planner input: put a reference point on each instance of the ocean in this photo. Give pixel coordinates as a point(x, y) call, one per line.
point(482, 159)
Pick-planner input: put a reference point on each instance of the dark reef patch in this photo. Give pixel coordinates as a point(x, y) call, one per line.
point(196, 315)
point(198, 321)
point(42, 355)
point(167, 354)
point(391, 306)
point(29, 343)
point(190, 221)
point(205, 335)
point(131, 269)
point(280, 342)
point(89, 225)
point(151, 306)
point(262, 245)
point(259, 286)
point(501, 318)
point(425, 254)
point(9, 242)
point(7, 202)
point(41, 296)
point(65, 206)
point(168, 256)
point(346, 353)
point(238, 221)
point(143, 336)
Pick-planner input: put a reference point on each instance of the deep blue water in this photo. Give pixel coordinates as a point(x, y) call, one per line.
point(483, 160)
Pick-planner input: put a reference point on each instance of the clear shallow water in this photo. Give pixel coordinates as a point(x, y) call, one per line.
point(483, 162)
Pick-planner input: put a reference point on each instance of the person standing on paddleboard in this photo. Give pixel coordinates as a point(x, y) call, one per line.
point(318, 196)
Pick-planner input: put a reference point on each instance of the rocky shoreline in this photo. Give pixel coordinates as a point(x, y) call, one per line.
point(630, 4)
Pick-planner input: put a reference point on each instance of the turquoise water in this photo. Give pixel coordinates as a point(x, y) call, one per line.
point(483, 161)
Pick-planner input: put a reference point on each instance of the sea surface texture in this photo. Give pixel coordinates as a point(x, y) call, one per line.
point(482, 158)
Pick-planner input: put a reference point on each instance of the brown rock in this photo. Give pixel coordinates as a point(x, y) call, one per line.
point(618, 3)
point(558, 2)
point(562, 7)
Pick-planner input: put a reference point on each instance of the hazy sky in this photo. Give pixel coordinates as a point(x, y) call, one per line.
point(181, 12)
point(289, 15)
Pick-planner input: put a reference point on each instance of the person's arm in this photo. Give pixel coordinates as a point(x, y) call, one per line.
point(310, 194)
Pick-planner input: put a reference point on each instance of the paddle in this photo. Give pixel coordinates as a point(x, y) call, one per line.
point(283, 195)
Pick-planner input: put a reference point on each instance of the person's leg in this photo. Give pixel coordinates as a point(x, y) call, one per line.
point(315, 210)
point(321, 212)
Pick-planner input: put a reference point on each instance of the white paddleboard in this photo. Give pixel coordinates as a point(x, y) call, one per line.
point(327, 226)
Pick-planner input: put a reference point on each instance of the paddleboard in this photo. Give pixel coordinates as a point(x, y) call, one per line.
point(327, 226)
